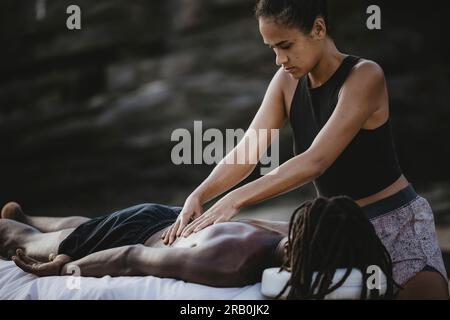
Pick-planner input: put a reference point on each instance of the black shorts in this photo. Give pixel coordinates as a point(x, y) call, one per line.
point(129, 226)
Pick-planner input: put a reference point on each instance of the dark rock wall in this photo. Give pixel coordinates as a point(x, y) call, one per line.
point(86, 116)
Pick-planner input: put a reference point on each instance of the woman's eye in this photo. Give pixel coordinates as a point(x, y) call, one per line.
point(285, 47)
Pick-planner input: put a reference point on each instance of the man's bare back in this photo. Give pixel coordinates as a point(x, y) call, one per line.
point(240, 228)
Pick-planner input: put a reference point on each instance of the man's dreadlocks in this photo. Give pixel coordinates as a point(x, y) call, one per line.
point(330, 234)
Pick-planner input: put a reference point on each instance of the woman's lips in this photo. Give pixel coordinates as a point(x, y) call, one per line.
point(290, 69)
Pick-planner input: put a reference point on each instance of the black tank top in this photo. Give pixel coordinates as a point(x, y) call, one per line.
point(368, 164)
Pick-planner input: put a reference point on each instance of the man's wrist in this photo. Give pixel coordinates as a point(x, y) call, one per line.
point(63, 269)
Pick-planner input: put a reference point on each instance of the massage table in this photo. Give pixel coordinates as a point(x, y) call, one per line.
point(15, 284)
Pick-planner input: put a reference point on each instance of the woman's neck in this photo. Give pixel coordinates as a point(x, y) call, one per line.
point(327, 65)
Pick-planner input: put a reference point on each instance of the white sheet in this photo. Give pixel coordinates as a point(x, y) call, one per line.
point(17, 284)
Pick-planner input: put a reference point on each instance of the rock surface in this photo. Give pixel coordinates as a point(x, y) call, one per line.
point(86, 116)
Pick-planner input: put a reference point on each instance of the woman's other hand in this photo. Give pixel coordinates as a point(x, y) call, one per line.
point(191, 210)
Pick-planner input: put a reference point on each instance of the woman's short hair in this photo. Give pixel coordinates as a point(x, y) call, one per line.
point(293, 13)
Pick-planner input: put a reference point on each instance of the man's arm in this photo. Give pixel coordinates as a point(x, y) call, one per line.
point(221, 263)
point(113, 262)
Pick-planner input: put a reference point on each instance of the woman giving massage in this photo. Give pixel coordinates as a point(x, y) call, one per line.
point(337, 105)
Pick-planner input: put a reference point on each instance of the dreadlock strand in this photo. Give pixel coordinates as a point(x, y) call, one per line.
point(327, 234)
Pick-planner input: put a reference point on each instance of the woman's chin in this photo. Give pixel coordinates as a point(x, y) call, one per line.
point(296, 75)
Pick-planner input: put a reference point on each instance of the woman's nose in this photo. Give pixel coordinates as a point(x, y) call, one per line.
point(281, 58)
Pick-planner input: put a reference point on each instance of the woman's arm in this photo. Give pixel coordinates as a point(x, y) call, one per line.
point(359, 99)
point(228, 172)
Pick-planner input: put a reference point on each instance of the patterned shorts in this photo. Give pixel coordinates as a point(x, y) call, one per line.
point(405, 224)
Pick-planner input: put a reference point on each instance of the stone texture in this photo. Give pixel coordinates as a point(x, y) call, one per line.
point(86, 116)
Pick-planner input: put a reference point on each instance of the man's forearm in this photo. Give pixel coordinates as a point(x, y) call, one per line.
point(198, 266)
point(135, 260)
point(112, 262)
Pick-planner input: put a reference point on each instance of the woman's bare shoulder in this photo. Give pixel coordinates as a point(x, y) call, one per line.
point(366, 78)
point(366, 86)
point(366, 69)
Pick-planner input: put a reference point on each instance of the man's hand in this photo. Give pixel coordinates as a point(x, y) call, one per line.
point(191, 210)
point(223, 210)
point(41, 269)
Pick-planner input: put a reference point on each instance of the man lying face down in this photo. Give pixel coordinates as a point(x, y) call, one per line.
point(322, 236)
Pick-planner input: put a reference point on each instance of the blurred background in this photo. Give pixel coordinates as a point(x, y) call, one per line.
point(86, 115)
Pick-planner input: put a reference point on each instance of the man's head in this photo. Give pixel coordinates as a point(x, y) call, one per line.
point(330, 234)
point(297, 30)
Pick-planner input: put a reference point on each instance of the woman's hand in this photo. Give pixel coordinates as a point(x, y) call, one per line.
point(41, 269)
point(223, 210)
point(191, 210)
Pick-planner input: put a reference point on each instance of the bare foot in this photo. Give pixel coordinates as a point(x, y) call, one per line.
point(13, 211)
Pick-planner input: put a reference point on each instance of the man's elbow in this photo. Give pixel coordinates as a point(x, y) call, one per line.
point(242, 272)
point(217, 275)
point(234, 278)
point(131, 264)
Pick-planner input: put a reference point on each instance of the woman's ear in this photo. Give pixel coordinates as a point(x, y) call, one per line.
point(319, 29)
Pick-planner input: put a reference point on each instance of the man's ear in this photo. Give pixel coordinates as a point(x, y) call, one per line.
point(286, 249)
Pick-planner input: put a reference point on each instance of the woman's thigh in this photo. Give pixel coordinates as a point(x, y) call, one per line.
point(425, 285)
point(408, 234)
